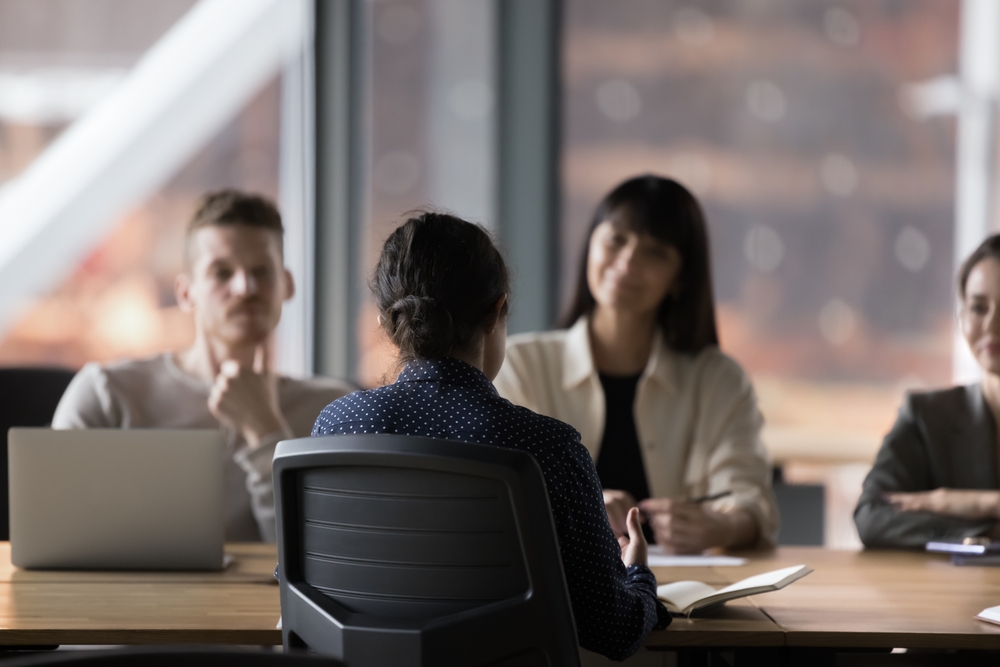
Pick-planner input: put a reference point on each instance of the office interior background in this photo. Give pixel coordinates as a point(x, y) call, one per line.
point(843, 150)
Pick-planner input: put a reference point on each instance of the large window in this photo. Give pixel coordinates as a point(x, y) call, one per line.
point(830, 200)
point(830, 206)
point(59, 59)
point(430, 142)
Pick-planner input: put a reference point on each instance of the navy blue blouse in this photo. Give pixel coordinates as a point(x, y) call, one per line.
point(614, 608)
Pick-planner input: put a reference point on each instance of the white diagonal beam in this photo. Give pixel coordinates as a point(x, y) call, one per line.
point(181, 93)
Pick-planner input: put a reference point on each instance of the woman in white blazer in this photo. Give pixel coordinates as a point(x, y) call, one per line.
point(668, 418)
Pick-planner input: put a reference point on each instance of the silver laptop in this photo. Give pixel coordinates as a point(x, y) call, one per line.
point(138, 499)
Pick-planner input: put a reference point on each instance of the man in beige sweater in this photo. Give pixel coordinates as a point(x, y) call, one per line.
point(234, 285)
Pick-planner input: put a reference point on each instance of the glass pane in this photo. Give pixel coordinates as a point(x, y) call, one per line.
point(431, 141)
point(57, 58)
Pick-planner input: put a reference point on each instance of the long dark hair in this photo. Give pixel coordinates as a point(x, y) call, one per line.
point(664, 209)
point(988, 249)
point(437, 280)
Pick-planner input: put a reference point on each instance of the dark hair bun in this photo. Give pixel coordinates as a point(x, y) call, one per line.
point(425, 323)
point(437, 280)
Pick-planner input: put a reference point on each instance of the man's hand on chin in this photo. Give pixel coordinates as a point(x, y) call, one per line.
point(246, 399)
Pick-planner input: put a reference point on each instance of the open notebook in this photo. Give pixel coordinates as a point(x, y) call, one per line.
point(685, 597)
point(990, 615)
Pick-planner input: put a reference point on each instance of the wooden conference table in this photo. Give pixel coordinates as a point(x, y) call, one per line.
point(851, 600)
point(236, 606)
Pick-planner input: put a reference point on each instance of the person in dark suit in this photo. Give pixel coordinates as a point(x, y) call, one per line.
point(937, 475)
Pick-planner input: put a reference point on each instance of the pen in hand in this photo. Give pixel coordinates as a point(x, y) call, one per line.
point(646, 514)
point(714, 496)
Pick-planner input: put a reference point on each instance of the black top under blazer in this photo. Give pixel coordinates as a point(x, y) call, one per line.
point(941, 439)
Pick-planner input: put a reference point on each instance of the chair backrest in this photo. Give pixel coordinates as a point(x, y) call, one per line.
point(802, 508)
point(28, 397)
point(410, 551)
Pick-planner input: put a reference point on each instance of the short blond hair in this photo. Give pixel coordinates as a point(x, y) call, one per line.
point(223, 208)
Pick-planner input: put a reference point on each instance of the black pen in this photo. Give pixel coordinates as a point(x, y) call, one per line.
point(700, 499)
point(714, 496)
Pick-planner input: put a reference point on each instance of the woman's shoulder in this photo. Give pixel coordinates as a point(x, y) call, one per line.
point(938, 417)
point(360, 400)
point(711, 366)
point(946, 402)
point(363, 406)
point(532, 357)
point(712, 358)
point(537, 342)
point(371, 396)
point(521, 418)
point(542, 435)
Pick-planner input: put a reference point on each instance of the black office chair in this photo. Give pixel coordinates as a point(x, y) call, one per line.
point(802, 508)
point(416, 552)
point(28, 397)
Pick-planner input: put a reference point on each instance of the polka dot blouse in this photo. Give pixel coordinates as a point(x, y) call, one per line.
point(614, 608)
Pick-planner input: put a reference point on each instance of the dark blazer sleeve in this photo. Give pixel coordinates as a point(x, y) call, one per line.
point(909, 460)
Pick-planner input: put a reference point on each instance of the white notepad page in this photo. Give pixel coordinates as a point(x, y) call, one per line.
point(658, 558)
